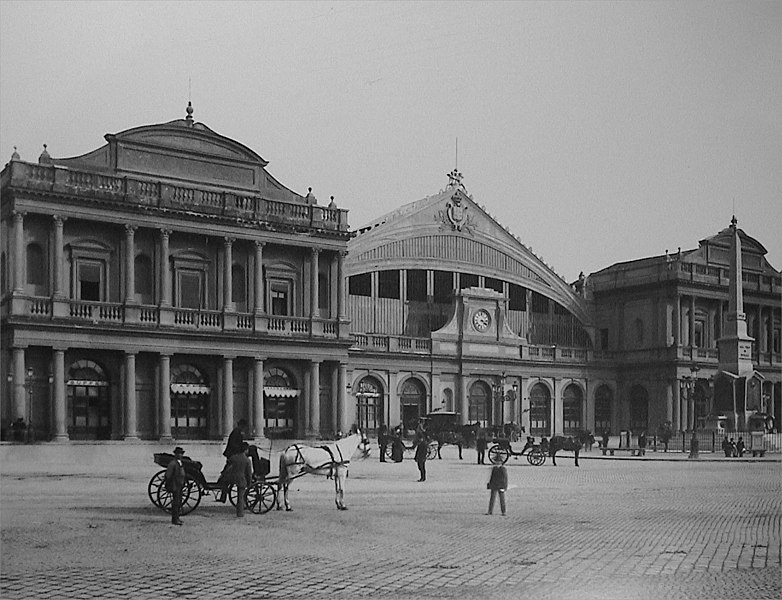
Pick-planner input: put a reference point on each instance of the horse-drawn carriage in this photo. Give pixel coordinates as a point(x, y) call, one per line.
point(443, 428)
point(260, 496)
point(502, 450)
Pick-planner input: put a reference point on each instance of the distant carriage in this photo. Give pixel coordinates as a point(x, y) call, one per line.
point(443, 428)
point(536, 454)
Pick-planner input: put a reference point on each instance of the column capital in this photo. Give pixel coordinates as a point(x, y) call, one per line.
point(228, 241)
point(59, 220)
point(165, 232)
point(130, 229)
point(259, 243)
point(343, 253)
point(19, 215)
point(260, 358)
point(316, 251)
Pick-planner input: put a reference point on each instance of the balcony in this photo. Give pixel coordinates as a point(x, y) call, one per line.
point(128, 191)
point(156, 318)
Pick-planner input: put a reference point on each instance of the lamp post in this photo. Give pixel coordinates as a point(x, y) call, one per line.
point(29, 386)
point(502, 397)
point(689, 385)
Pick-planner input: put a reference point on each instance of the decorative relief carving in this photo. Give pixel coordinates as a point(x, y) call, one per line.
point(455, 216)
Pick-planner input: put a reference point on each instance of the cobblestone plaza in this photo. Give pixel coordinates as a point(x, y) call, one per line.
point(83, 527)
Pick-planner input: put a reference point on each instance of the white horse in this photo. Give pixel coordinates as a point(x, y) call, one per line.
point(331, 460)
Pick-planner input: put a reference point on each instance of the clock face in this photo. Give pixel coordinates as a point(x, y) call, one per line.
point(481, 320)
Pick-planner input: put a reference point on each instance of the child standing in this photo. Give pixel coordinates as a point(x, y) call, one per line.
point(498, 483)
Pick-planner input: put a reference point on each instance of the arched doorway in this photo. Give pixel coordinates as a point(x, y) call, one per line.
point(701, 405)
point(572, 414)
point(479, 404)
point(413, 401)
point(280, 400)
point(603, 401)
point(369, 404)
point(639, 409)
point(539, 411)
point(190, 393)
point(89, 405)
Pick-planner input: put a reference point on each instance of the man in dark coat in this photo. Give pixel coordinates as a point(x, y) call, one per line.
point(421, 450)
point(480, 446)
point(382, 440)
point(498, 483)
point(233, 446)
point(175, 482)
point(238, 472)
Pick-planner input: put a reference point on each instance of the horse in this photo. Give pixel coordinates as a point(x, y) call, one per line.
point(331, 460)
point(558, 442)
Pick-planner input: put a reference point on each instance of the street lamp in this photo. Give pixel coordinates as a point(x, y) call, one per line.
point(29, 385)
point(689, 385)
point(502, 397)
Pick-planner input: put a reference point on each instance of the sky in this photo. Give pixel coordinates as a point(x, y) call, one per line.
point(597, 132)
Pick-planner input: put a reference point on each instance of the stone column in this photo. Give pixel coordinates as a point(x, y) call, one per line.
point(685, 418)
point(677, 321)
point(20, 395)
point(130, 256)
point(165, 270)
point(314, 400)
point(19, 279)
point(314, 267)
point(692, 321)
point(60, 409)
point(463, 400)
point(335, 406)
point(228, 304)
point(557, 417)
point(343, 398)
point(228, 395)
point(259, 419)
point(130, 397)
point(341, 283)
point(259, 287)
point(164, 418)
point(58, 223)
point(676, 389)
point(669, 404)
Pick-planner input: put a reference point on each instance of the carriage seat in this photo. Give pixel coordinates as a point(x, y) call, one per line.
point(192, 467)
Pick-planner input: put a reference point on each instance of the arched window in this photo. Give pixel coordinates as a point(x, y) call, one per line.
point(369, 404)
point(280, 398)
point(540, 410)
point(603, 400)
point(639, 409)
point(142, 271)
point(413, 399)
point(239, 287)
point(36, 269)
point(572, 399)
point(89, 402)
point(324, 293)
point(190, 393)
point(447, 402)
point(479, 404)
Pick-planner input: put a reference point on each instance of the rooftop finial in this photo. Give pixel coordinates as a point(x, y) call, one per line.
point(455, 178)
point(15, 155)
point(44, 159)
point(734, 221)
point(189, 111)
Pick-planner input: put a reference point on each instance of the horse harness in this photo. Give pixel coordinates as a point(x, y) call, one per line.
point(299, 460)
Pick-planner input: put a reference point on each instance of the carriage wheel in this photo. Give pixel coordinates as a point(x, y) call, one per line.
point(191, 497)
point(261, 497)
point(536, 457)
point(157, 482)
point(431, 451)
point(233, 492)
point(498, 455)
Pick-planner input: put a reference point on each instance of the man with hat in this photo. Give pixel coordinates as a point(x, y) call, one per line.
point(175, 481)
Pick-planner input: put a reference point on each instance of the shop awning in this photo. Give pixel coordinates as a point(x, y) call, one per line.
point(190, 388)
point(281, 392)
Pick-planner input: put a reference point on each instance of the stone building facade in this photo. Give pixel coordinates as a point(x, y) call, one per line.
point(165, 285)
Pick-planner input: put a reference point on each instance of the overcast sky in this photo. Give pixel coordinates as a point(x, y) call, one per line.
point(597, 132)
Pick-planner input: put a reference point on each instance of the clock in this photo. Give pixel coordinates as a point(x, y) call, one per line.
point(481, 320)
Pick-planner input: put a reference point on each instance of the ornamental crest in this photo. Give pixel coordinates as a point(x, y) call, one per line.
point(455, 215)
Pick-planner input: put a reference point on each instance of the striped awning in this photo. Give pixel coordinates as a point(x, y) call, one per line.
point(281, 392)
point(190, 388)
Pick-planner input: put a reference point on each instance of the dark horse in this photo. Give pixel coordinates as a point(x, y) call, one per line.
point(461, 437)
point(558, 442)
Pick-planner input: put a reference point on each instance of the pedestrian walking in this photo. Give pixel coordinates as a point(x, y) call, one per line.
point(382, 440)
point(175, 482)
point(498, 483)
point(480, 446)
point(694, 445)
point(642, 443)
point(238, 472)
point(740, 447)
point(421, 450)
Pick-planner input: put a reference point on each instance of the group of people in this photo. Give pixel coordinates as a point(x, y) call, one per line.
point(238, 471)
point(733, 449)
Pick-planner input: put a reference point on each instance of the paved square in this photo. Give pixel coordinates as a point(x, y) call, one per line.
point(83, 527)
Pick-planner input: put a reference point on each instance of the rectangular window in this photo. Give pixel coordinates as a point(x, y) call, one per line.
point(604, 339)
point(416, 285)
point(493, 284)
point(518, 297)
point(190, 292)
point(90, 277)
point(279, 296)
point(443, 287)
point(388, 284)
point(360, 285)
point(467, 280)
point(698, 337)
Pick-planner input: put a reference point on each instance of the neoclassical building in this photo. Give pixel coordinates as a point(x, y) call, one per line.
point(165, 285)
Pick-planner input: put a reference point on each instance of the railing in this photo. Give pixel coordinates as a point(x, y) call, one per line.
point(111, 313)
point(710, 441)
point(128, 190)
